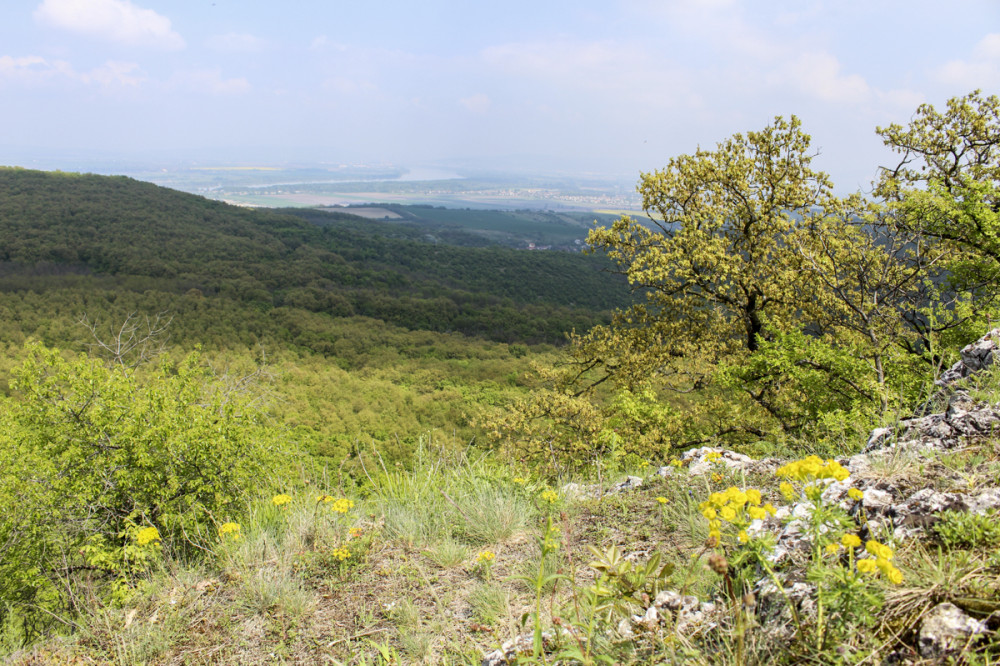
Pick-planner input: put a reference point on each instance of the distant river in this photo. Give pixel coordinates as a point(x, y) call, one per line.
point(411, 175)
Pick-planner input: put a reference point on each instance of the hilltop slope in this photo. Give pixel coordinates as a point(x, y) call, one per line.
point(134, 236)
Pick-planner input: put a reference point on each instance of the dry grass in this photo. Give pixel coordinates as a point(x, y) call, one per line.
point(413, 591)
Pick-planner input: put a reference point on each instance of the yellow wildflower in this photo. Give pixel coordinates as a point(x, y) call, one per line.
point(550, 496)
point(895, 576)
point(757, 513)
point(753, 496)
point(743, 537)
point(709, 513)
point(341, 553)
point(355, 532)
point(855, 494)
point(832, 548)
point(867, 566)
point(230, 528)
point(813, 468)
point(728, 514)
point(662, 500)
point(770, 508)
point(280, 500)
point(850, 541)
point(147, 535)
point(736, 497)
point(787, 490)
point(879, 550)
point(342, 505)
point(324, 498)
point(485, 556)
point(519, 480)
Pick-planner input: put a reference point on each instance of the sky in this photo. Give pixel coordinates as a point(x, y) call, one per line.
point(610, 87)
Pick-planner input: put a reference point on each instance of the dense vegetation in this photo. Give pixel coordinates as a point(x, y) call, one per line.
point(775, 317)
point(515, 228)
point(63, 229)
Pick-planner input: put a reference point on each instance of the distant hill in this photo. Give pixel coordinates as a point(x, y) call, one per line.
point(84, 232)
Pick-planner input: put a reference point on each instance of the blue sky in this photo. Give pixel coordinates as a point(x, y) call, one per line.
point(610, 87)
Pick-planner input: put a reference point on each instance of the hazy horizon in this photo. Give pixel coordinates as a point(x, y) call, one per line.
point(587, 89)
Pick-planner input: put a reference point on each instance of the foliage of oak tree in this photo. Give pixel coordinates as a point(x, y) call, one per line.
point(779, 309)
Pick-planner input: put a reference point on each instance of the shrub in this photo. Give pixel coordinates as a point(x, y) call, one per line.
point(94, 460)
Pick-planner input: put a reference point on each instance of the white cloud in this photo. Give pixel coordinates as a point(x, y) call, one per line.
point(236, 43)
point(115, 73)
point(209, 81)
point(323, 43)
point(981, 71)
point(343, 85)
point(479, 103)
point(988, 47)
point(603, 70)
point(114, 20)
point(819, 75)
point(31, 69)
point(36, 70)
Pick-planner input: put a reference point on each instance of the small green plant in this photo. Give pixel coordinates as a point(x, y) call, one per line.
point(549, 544)
point(447, 553)
point(484, 563)
point(489, 602)
point(622, 586)
point(962, 529)
point(842, 572)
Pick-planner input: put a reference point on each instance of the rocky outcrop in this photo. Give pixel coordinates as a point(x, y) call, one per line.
point(947, 630)
point(974, 358)
point(906, 507)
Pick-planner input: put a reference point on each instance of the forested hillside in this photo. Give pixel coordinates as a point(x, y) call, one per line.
point(62, 230)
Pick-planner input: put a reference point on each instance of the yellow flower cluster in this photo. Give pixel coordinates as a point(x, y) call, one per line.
point(355, 532)
point(485, 556)
point(341, 553)
point(281, 500)
point(855, 494)
point(230, 528)
point(713, 456)
point(342, 505)
point(676, 463)
point(662, 500)
point(324, 498)
point(850, 541)
point(813, 468)
point(735, 506)
point(550, 496)
point(882, 561)
point(551, 540)
point(147, 535)
point(520, 480)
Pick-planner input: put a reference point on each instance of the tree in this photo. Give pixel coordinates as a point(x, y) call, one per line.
point(719, 250)
point(947, 182)
point(724, 272)
point(728, 292)
point(777, 308)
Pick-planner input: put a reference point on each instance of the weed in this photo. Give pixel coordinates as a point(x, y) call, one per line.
point(962, 529)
